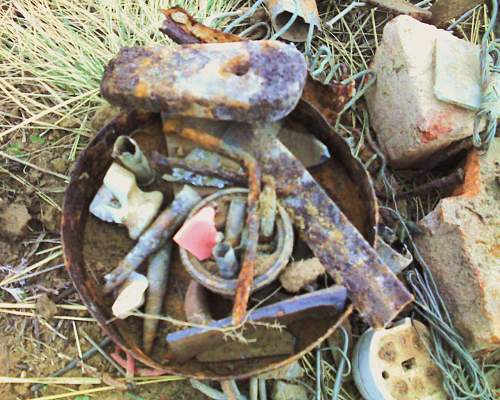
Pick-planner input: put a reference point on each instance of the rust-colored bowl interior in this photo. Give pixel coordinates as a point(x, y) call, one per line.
point(93, 248)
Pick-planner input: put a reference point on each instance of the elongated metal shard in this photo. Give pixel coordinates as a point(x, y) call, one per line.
point(187, 343)
point(241, 81)
point(374, 290)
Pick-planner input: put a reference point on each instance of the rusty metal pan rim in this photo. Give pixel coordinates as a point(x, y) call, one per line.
point(75, 215)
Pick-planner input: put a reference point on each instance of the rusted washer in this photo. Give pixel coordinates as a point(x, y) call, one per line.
point(227, 287)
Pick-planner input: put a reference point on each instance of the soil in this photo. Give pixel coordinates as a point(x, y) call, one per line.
point(30, 225)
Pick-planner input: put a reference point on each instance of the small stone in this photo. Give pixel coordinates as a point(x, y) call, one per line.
point(21, 388)
point(14, 220)
point(46, 307)
point(59, 165)
point(410, 122)
point(299, 274)
point(51, 219)
point(287, 391)
point(460, 243)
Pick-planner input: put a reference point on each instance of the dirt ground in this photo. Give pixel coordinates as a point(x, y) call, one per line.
point(29, 233)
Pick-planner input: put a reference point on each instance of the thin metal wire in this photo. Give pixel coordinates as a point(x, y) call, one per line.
point(244, 16)
point(318, 373)
point(254, 27)
point(344, 12)
point(339, 377)
point(489, 93)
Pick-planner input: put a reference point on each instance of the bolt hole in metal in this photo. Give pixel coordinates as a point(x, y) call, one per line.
point(385, 374)
point(408, 364)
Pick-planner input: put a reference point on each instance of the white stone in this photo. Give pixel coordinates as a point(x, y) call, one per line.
point(410, 122)
point(458, 73)
point(131, 295)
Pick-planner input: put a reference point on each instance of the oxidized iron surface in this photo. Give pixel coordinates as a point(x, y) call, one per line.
point(240, 81)
point(182, 28)
point(374, 290)
point(89, 171)
point(185, 344)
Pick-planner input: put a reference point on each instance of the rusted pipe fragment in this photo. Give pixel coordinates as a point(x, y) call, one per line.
point(241, 81)
point(235, 221)
point(245, 278)
point(307, 15)
point(182, 28)
point(225, 258)
point(187, 343)
point(158, 270)
point(328, 99)
point(267, 206)
point(161, 162)
point(403, 7)
point(162, 228)
point(131, 156)
point(444, 11)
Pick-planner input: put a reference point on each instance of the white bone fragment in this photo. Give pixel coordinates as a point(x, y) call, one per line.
point(131, 295)
point(136, 209)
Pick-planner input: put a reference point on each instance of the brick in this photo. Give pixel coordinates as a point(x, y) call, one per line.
point(461, 244)
point(410, 122)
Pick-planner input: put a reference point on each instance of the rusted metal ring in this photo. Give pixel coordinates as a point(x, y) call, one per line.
point(227, 287)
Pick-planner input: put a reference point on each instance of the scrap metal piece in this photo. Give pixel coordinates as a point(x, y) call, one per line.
point(162, 228)
point(182, 28)
point(404, 7)
point(374, 290)
point(445, 10)
point(396, 261)
point(330, 99)
point(225, 258)
point(162, 162)
point(241, 81)
point(131, 156)
point(263, 342)
point(235, 221)
point(187, 343)
point(267, 206)
point(245, 278)
point(158, 270)
point(306, 12)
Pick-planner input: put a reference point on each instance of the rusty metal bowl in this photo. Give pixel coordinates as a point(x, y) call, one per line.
point(92, 247)
point(223, 286)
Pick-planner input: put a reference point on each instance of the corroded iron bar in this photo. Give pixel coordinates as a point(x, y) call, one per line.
point(187, 343)
point(240, 81)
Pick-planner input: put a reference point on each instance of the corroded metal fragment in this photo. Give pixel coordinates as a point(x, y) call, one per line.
point(444, 11)
point(182, 28)
point(374, 290)
point(241, 81)
point(307, 16)
point(187, 343)
point(403, 7)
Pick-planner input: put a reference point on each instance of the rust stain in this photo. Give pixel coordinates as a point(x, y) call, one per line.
point(472, 176)
point(438, 125)
point(142, 89)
